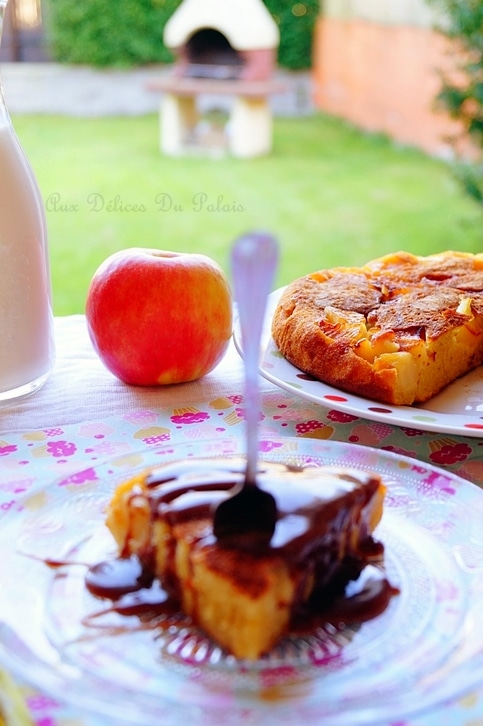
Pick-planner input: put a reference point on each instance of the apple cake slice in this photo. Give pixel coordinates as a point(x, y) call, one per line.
point(244, 597)
point(397, 330)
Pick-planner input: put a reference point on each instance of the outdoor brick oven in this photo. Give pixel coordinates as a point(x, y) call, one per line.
point(223, 48)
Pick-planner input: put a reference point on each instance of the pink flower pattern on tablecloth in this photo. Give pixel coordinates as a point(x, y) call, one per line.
point(267, 446)
point(400, 451)
point(436, 485)
point(80, 478)
point(97, 430)
point(240, 412)
point(61, 448)
point(8, 449)
point(68, 455)
point(341, 417)
point(370, 434)
point(56, 431)
point(450, 454)
point(411, 432)
point(282, 414)
point(308, 427)
point(190, 417)
point(17, 486)
point(108, 448)
point(141, 417)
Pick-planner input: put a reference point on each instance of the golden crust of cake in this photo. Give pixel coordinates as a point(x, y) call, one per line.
point(245, 599)
point(397, 330)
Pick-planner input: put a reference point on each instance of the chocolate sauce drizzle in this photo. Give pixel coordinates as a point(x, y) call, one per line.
point(368, 596)
point(308, 534)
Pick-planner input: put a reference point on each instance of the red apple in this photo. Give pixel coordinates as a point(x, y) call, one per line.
point(157, 317)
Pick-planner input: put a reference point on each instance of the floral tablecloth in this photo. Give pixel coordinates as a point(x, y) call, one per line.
point(83, 416)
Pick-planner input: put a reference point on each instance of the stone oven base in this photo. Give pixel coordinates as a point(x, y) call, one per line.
point(248, 131)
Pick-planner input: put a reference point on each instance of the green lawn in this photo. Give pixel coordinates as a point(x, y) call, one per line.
point(331, 194)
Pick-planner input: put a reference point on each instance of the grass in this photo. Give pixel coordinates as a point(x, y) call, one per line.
point(330, 193)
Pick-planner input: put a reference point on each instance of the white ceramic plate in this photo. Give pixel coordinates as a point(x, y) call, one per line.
point(457, 410)
point(426, 647)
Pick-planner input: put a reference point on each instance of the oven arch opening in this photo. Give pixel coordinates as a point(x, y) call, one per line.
point(209, 54)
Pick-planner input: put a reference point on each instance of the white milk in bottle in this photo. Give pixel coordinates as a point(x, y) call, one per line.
point(26, 321)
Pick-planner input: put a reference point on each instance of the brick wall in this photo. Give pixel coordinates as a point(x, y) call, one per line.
point(376, 64)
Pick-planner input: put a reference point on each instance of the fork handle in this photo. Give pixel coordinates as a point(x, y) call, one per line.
point(254, 260)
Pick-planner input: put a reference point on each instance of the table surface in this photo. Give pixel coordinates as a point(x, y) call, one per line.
point(83, 414)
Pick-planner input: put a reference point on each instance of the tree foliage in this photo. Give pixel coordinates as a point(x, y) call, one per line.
point(461, 93)
point(104, 33)
point(130, 32)
point(296, 21)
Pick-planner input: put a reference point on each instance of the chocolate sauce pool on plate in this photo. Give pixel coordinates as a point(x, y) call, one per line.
point(190, 490)
point(131, 591)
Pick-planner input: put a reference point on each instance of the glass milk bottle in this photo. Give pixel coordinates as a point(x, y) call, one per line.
point(26, 320)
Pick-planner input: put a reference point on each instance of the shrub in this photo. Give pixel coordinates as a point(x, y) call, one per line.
point(130, 32)
point(106, 33)
point(296, 22)
point(463, 98)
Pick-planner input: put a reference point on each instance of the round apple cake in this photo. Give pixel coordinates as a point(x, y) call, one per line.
point(397, 330)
